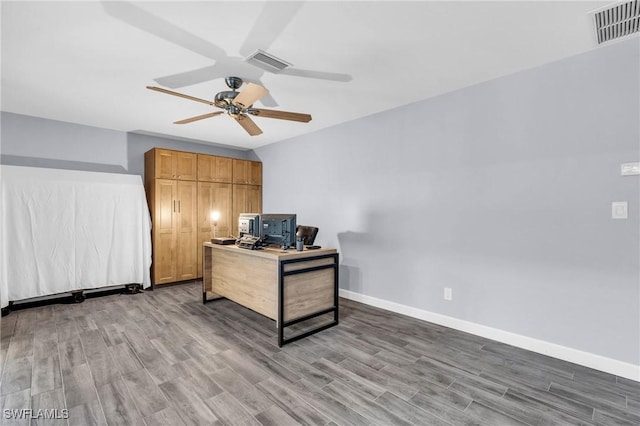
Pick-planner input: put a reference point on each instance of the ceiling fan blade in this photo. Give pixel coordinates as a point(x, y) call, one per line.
point(139, 18)
point(171, 92)
point(321, 75)
point(248, 124)
point(282, 115)
point(249, 95)
point(267, 100)
point(222, 68)
point(198, 117)
point(273, 19)
point(188, 78)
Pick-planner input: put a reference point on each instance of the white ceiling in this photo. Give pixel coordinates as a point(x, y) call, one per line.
point(89, 62)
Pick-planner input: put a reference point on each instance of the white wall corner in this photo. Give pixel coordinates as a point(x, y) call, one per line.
point(597, 362)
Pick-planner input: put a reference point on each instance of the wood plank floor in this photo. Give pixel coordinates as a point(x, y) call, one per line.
point(162, 357)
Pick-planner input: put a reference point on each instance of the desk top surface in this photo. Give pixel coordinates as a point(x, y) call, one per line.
point(273, 253)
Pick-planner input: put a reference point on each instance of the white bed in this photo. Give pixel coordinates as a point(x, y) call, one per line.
point(68, 230)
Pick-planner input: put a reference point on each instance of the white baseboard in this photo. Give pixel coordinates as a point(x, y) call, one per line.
point(597, 362)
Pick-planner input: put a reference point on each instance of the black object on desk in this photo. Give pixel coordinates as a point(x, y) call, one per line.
point(308, 234)
point(223, 240)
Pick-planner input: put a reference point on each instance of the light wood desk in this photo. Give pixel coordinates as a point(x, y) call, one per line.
point(287, 286)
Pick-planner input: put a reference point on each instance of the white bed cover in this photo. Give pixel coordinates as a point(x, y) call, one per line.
point(66, 230)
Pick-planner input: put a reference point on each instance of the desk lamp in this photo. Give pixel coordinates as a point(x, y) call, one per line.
point(215, 215)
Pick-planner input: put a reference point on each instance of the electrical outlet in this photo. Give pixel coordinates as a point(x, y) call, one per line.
point(619, 210)
point(448, 293)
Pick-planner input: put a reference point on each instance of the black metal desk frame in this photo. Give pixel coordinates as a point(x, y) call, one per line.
point(281, 277)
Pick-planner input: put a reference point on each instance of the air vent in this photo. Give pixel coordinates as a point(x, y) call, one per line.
point(267, 61)
point(617, 21)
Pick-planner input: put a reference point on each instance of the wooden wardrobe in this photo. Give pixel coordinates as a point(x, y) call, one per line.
point(183, 188)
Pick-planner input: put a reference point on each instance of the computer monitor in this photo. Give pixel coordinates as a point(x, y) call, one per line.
point(249, 224)
point(307, 233)
point(279, 229)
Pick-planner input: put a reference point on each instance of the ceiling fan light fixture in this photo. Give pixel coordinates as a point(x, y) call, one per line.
point(233, 110)
point(267, 61)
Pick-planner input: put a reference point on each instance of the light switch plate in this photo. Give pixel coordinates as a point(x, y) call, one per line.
point(630, 169)
point(448, 293)
point(619, 210)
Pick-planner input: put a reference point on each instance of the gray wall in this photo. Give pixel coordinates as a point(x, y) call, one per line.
point(38, 142)
point(501, 191)
point(33, 141)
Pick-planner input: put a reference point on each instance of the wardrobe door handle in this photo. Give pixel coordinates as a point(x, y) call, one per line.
point(174, 206)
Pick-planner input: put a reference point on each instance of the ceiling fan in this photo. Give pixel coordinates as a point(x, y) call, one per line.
point(238, 105)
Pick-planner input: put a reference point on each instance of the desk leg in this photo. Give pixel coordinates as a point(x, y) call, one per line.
point(280, 323)
point(206, 272)
point(207, 275)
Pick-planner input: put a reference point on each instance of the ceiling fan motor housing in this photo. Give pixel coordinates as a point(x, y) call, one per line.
point(224, 99)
